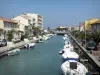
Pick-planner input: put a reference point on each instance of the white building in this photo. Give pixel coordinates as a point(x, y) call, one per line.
point(82, 27)
point(75, 28)
point(25, 23)
point(38, 19)
point(27, 20)
point(69, 28)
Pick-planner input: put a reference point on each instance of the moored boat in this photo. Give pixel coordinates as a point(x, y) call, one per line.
point(41, 40)
point(29, 45)
point(65, 50)
point(70, 56)
point(45, 37)
point(69, 46)
point(65, 35)
point(13, 52)
point(65, 38)
point(72, 67)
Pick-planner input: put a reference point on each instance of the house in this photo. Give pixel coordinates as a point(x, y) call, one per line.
point(6, 25)
point(75, 28)
point(95, 26)
point(89, 22)
point(82, 27)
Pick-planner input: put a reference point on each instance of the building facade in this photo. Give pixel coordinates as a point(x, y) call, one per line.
point(95, 26)
point(38, 19)
point(6, 25)
point(75, 28)
point(25, 24)
point(82, 27)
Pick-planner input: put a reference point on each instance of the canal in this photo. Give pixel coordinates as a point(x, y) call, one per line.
point(42, 60)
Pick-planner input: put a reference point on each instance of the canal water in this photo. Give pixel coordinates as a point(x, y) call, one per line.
point(42, 60)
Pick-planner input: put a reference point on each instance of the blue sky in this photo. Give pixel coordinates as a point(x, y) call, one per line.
point(55, 12)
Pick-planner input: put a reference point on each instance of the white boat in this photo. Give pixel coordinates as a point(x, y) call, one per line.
point(73, 67)
point(41, 40)
point(13, 52)
point(67, 42)
point(65, 50)
point(65, 38)
point(65, 35)
point(69, 55)
point(29, 45)
point(68, 46)
point(45, 37)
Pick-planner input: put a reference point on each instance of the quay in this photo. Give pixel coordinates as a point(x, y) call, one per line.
point(5, 49)
point(91, 59)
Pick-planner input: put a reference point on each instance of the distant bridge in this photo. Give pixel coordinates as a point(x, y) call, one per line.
point(60, 32)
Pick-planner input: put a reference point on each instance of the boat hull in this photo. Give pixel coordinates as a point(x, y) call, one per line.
point(29, 45)
point(70, 56)
point(13, 52)
point(73, 67)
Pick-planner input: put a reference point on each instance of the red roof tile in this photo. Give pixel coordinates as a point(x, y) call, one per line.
point(7, 20)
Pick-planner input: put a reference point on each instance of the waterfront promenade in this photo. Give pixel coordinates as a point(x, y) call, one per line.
point(91, 59)
point(5, 49)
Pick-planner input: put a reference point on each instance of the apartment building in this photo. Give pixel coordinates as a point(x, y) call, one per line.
point(25, 23)
point(38, 19)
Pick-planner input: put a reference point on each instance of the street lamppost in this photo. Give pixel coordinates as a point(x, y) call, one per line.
point(85, 38)
point(85, 34)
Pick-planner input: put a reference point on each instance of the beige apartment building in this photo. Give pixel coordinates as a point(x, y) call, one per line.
point(6, 25)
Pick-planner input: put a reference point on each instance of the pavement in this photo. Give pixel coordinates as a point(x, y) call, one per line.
point(14, 45)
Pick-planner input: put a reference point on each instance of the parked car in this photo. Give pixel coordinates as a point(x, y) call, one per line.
point(3, 42)
point(0, 43)
point(91, 45)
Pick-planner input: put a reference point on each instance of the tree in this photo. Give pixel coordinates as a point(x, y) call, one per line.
point(36, 31)
point(96, 38)
point(10, 35)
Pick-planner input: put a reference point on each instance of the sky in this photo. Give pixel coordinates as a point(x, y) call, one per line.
point(55, 12)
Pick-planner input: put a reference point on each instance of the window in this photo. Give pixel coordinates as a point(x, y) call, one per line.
point(29, 21)
point(33, 20)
